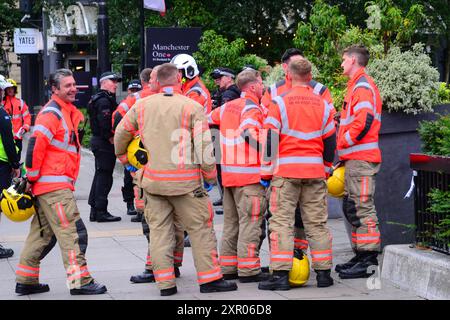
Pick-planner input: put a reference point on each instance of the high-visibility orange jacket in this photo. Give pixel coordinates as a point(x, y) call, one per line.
point(53, 154)
point(175, 132)
point(240, 160)
point(196, 90)
point(284, 85)
point(20, 116)
point(126, 105)
point(304, 123)
point(360, 120)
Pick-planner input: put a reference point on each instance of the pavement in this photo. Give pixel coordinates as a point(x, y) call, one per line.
point(118, 250)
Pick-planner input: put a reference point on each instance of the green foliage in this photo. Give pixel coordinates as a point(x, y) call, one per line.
point(406, 80)
point(391, 25)
point(435, 136)
point(87, 134)
point(9, 19)
point(444, 93)
point(440, 205)
point(215, 51)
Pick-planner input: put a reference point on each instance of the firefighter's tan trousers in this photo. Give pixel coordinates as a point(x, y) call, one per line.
point(244, 209)
point(194, 212)
point(61, 222)
point(312, 196)
point(358, 204)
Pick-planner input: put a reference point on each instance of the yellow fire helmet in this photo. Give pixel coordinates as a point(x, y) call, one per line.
point(137, 155)
point(16, 205)
point(336, 183)
point(299, 274)
point(12, 81)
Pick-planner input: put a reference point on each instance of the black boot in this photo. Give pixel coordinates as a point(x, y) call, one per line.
point(5, 252)
point(255, 278)
point(146, 277)
point(360, 269)
point(93, 215)
point(25, 289)
point(131, 211)
point(187, 242)
point(324, 278)
point(220, 285)
point(168, 292)
point(279, 280)
point(138, 217)
point(177, 272)
point(349, 264)
point(230, 276)
point(217, 203)
point(105, 216)
point(88, 289)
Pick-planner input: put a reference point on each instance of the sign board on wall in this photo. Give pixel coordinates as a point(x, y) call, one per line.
point(162, 44)
point(27, 41)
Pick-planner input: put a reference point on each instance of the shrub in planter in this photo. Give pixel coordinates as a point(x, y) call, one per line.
point(435, 136)
point(407, 81)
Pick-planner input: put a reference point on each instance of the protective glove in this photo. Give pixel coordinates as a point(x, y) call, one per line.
point(130, 168)
point(20, 133)
point(264, 183)
point(207, 186)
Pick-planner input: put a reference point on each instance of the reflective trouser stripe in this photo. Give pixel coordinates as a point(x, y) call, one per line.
point(209, 276)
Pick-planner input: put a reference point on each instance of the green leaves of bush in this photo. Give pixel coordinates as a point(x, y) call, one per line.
point(435, 136)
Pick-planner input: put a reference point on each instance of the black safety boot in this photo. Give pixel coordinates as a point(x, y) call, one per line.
point(88, 289)
point(265, 269)
point(168, 292)
point(220, 285)
point(25, 289)
point(105, 216)
point(255, 278)
point(177, 272)
point(348, 264)
point(360, 269)
point(138, 217)
point(324, 278)
point(131, 210)
point(279, 280)
point(93, 215)
point(230, 276)
point(5, 252)
point(217, 203)
point(146, 277)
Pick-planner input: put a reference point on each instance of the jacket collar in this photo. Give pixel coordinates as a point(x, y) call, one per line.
point(189, 84)
point(361, 71)
point(170, 90)
point(250, 96)
point(75, 114)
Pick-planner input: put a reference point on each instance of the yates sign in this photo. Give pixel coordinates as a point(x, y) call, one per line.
point(165, 43)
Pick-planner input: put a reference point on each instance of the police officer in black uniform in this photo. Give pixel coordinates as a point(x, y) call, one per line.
point(101, 107)
point(9, 157)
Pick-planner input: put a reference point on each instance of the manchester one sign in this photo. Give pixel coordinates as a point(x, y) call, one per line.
point(164, 43)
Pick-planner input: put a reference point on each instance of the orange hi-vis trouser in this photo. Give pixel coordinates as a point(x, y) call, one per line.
point(359, 206)
point(312, 196)
point(244, 209)
point(194, 211)
point(61, 222)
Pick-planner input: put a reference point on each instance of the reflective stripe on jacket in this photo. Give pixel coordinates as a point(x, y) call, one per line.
point(360, 120)
point(304, 122)
point(20, 115)
point(53, 154)
point(240, 160)
point(196, 90)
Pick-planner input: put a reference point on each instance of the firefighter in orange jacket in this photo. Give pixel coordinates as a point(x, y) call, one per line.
point(175, 132)
point(244, 201)
point(18, 110)
point(192, 86)
point(53, 163)
point(117, 115)
point(358, 148)
point(301, 121)
point(278, 89)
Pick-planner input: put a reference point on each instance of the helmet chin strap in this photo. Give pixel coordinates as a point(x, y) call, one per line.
point(183, 80)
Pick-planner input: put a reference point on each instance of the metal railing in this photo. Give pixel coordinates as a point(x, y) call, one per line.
point(433, 172)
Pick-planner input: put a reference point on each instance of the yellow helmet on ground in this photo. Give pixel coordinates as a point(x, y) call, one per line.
point(137, 155)
point(14, 83)
point(299, 274)
point(17, 205)
point(336, 183)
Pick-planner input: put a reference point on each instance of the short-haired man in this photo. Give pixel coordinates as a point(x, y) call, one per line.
point(172, 179)
point(244, 197)
point(358, 148)
point(302, 123)
point(53, 163)
point(101, 108)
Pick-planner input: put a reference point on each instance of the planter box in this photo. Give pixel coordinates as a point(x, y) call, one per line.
point(398, 139)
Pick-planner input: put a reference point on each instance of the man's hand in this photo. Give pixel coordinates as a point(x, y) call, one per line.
point(111, 140)
point(16, 173)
